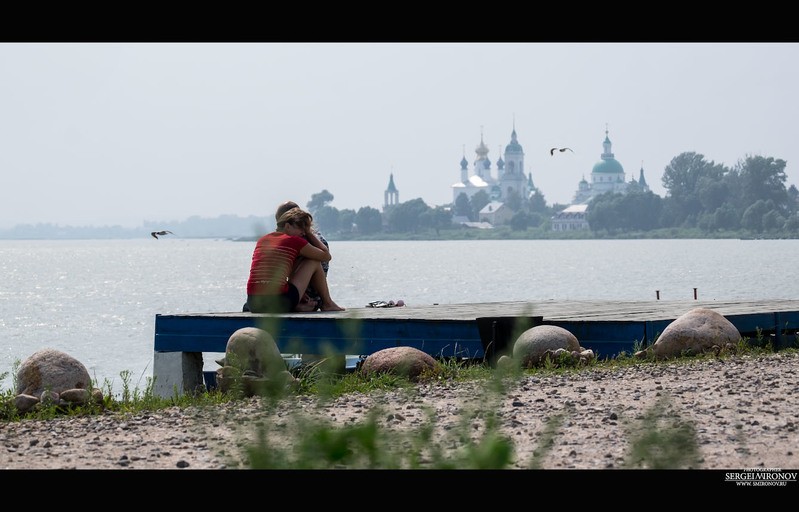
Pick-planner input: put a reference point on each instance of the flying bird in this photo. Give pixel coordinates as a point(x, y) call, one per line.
point(155, 234)
point(552, 151)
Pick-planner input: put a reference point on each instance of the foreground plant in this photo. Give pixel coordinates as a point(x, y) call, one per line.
point(660, 440)
point(311, 442)
point(663, 440)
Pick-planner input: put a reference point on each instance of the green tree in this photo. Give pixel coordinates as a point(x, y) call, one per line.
point(601, 212)
point(514, 201)
point(538, 203)
point(437, 218)
point(407, 217)
point(793, 197)
point(346, 220)
point(319, 200)
point(463, 206)
point(520, 221)
point(764, 178)
point(479, 201)
point(753, 216)
point(772, 220)
point(369, 220)
point(712, 193)
point(634, 211)
point(686, 178)
point(535, 219)
point(706, 222)
point(637, 210)
point(727, 217)
point(670, 213)
point(791, 224)
point(327, 218)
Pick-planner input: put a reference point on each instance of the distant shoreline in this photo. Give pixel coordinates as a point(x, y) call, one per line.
point(242, 230)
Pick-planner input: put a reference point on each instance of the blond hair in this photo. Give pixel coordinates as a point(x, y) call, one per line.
point(297, 217)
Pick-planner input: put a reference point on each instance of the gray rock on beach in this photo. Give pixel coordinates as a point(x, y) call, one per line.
point(406, 361)
point(53, 377)
point(253, 349)
point(534, 344)
point(697, 331)
point(253, 362)
point(53, 371)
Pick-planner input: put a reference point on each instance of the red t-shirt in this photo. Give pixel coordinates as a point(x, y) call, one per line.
point(272, 262)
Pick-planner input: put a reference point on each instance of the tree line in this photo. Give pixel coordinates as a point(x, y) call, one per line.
point(750, 197)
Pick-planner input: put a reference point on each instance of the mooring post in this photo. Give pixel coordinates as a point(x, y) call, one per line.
point(777, 332)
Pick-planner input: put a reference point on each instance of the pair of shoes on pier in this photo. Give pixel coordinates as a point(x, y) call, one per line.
point(384, 304)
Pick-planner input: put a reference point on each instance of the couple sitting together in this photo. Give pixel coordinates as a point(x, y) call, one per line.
point(289, 267)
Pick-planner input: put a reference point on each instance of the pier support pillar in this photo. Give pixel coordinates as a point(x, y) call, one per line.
point(499, 333)
point(177, 373)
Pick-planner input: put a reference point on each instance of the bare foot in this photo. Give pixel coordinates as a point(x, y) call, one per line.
point(306, 306)
point(331, 306)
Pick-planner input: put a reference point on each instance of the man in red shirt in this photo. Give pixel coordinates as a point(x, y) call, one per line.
point(278, 276)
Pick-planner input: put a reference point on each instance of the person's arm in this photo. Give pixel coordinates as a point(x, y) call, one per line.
point(315, 249)
point(321, 238)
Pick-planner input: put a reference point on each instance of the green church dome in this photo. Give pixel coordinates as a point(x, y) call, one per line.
point(608, 166)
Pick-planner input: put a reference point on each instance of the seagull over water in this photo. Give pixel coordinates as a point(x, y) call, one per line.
point(156, 234)
point(552, 151)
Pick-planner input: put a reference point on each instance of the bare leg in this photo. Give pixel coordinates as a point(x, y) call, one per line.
point(319, 282)
point(310, 271)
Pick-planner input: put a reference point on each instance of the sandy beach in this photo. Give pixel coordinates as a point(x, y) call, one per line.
point(743, 412)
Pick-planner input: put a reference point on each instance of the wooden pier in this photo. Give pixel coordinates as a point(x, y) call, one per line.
point(469, 331)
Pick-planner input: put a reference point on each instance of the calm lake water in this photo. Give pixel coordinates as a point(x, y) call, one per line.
point(97, 299)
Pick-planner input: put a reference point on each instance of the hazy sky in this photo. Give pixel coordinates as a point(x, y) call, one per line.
point(107, 134)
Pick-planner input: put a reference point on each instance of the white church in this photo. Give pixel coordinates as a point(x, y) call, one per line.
point(607, 175)
point(509, 177)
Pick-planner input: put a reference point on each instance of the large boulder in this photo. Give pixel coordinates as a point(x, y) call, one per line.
point(696, 331)
point(252, 349)
point(409, 362)
point(252, 364)
point(52, 371)
point(533, 345)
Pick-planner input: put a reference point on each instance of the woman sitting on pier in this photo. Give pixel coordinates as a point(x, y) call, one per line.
point(279, 277)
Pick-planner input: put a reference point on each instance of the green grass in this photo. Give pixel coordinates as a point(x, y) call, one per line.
point(661, 439)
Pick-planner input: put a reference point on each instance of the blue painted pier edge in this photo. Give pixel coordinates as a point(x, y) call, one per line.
point(466, 331)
